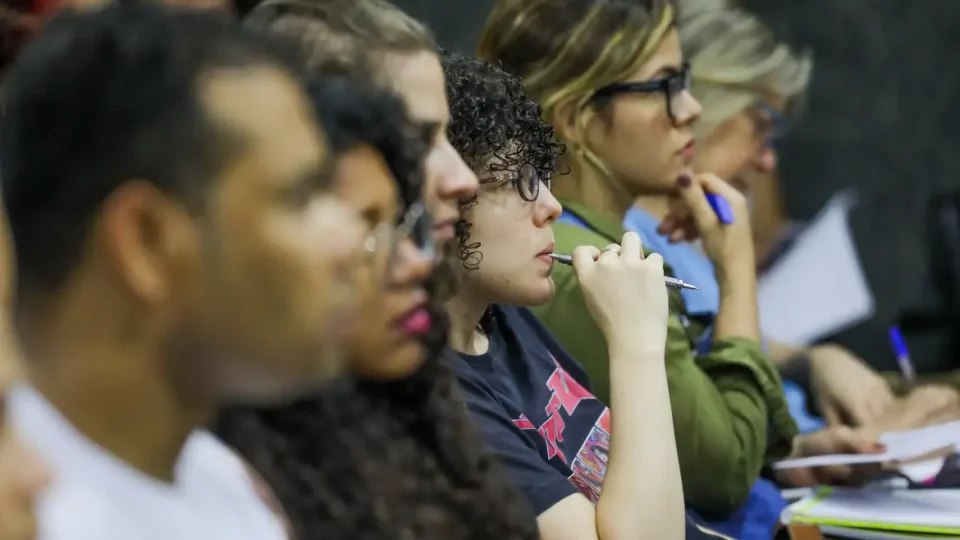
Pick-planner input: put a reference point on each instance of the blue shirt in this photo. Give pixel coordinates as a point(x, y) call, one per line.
point(689, 264)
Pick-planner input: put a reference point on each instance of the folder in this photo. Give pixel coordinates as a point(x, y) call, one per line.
point(880, 513)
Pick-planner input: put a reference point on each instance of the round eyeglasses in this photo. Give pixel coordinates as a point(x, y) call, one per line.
point(672, 86)
point(770, 124)
point(382, 244)
point(526, 179)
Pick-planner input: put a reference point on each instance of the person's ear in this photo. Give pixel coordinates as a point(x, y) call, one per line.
point(148, 237)
point(564, 121)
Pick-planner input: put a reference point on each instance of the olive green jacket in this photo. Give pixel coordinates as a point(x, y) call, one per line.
point(729, 412)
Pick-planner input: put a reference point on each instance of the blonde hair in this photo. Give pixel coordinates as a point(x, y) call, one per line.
point(343, 35)
point(566, 50)
point(736, 61)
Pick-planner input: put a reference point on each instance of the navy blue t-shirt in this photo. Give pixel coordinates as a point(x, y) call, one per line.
point(533, 405)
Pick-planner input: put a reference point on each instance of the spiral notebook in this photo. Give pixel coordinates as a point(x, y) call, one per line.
point(880, 513)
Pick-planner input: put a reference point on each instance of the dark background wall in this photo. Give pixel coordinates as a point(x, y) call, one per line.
point(883, 115)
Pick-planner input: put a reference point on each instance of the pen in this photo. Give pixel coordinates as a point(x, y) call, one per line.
point(670, 282)
point(721, 207)
point(903, 355)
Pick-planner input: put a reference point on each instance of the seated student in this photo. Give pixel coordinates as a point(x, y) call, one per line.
point(391, 455)
point(399, 53)
point(22, 474)
point(747, 82)
point(531, 400)
point(612, 81)
point(749, 85)
point(177, 247)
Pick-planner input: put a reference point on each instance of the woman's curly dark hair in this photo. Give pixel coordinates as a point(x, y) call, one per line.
point(492, 118)
point(371, 460)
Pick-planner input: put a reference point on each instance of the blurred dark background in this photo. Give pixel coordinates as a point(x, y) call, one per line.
point(881, 116)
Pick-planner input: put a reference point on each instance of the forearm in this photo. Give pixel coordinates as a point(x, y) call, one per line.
point(642, 494)
point(738, 313)
point(781, 354)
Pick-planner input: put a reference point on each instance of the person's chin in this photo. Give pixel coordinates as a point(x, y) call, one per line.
point(539, 294)
point(395, 363)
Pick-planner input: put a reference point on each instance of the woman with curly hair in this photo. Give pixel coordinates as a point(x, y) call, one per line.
point(391, 454)
point(532, 400)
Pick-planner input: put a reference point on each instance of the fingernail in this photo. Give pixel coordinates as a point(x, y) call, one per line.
point(684, 181)
point(879, 448)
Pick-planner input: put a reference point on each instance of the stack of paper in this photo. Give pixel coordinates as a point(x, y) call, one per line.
point(888, 514)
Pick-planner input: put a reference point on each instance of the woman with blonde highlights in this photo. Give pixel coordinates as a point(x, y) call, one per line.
point(612, 80)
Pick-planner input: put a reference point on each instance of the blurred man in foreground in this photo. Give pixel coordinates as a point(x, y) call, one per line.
point(179, 248)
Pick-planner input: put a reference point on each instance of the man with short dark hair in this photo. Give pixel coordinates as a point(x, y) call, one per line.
point(177, 248)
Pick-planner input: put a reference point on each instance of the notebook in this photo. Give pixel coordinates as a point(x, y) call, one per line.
point(928, 513)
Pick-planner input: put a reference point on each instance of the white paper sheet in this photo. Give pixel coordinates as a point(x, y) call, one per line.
point(818, 286)
point(900, 446)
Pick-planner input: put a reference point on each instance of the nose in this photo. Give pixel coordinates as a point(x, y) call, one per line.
point(548, 207)
point(766, 160)
point(689, 110)
point(411, 266)
point(449, 177)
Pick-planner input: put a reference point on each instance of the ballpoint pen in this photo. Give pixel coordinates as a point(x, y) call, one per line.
point(903, 355)
point(669, 281)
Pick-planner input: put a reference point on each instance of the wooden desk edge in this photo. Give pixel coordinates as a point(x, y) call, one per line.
point(803, 531)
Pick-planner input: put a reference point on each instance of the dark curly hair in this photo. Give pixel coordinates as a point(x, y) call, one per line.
point(372, 460)
point(491, 117)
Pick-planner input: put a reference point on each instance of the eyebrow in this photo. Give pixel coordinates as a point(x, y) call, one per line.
point(316, 178)
point(668, 70)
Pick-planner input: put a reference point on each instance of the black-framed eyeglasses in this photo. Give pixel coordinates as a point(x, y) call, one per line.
point(672, 86)
point(383, 243)
point(526, 179)
point(771, 125)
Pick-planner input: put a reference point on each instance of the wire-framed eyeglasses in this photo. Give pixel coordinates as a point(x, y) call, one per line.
point(526, 179)
point(382, 244)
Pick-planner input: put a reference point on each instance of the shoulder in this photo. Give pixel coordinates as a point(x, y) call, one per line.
point(72, 510)
point(213, 473)
point(208, 465)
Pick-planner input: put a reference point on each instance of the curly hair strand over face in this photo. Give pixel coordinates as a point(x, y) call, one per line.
point(369, 460)
point(494, 127)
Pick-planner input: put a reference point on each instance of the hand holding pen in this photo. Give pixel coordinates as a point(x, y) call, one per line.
point(614, 282)
point(669, 281)
point(708, 208)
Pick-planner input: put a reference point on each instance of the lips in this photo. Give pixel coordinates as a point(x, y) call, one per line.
point(446, 229)
point(416, 322)
point(549, 249)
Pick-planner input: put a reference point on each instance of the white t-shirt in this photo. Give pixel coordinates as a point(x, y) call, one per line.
point(96, 496)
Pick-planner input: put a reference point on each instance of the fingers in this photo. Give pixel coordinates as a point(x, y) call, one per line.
point(714, 184)
point(860, 413)
point(583, 256)
point(631, 247)
point(831, 415)
point(609, 253)
point(849, 441)
point(694, 197)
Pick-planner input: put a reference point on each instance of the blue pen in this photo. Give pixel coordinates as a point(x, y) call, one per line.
point(903, 355)
point(721, 207)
